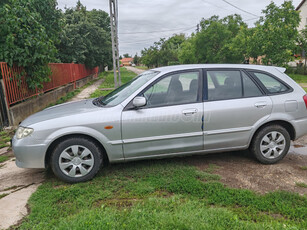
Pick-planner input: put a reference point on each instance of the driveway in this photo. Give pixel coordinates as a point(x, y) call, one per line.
point(135, 70)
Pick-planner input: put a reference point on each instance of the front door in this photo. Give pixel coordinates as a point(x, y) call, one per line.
point(171, 122)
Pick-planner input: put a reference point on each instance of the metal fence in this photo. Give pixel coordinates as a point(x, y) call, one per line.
point(16, 88)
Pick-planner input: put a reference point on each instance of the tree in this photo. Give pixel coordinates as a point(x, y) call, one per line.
point(214, 40)
point(218, 41)
point(85, 37)
point(24, 39)
point(164, 52)
point(126, 55)
point(187, 53)
point(277, 33)
point(136, 59)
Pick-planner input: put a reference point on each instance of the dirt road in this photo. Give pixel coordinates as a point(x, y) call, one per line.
point(135, 70)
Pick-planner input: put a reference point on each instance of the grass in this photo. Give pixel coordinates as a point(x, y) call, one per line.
point(5, 137)
point(73, 93)
point(142, 67)
point(126, 76)
point(4, 158)
point(299, 78)
point(165, 194)
point(3, 195)
point(301, 184)
point(303, 167)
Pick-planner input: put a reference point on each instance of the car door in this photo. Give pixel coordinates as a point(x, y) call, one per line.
point(233, 105)
point(171, 122)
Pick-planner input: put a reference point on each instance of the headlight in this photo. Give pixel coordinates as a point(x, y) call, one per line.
point(23, 132)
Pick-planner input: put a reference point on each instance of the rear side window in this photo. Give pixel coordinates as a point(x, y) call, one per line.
point(270, 83)
point(224, 84)
point(249, 87)
point(230, 84)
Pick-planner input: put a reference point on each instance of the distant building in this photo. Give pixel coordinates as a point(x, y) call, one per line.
point(302, 7)
point(127, 61)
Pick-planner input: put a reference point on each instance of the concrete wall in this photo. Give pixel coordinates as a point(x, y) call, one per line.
point(21, 111)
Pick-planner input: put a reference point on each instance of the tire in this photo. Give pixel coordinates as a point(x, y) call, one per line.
point(76, 159)
point(270, 144)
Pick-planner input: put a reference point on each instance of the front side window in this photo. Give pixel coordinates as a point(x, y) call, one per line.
point(270, 83)
point(178, 88)
point(120, 94)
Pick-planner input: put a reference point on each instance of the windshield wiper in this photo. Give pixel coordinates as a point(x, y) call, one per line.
point(98, 102)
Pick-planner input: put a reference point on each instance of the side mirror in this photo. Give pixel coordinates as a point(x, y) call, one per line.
point(139, 101)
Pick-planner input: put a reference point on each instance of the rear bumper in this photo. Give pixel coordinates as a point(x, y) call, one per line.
point(28, 155)
point(300, 127)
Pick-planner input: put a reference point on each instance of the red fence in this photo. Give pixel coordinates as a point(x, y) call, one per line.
point(17, 89)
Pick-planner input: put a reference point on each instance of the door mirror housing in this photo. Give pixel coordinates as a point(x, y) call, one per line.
point(139, 102)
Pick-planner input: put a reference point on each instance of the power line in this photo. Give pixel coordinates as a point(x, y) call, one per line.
point(142, 41)
point(143, 32)
point(239, 8)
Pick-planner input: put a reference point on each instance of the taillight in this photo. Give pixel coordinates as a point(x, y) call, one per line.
point(305, 100)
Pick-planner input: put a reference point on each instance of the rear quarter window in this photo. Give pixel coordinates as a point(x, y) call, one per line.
point(272, 84)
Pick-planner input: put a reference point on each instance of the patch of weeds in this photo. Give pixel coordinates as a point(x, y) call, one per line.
point(3, 195)
point(5, 137)
point(71, 94)
point(11, 188)
point(303, 167)
point(301, 184)
point(126, 76)
point(4, 158)
point(164, 194)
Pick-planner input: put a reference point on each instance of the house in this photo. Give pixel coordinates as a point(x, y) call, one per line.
point(302, 7)
point(127, 61)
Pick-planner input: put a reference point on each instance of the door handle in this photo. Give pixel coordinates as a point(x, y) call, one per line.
point(189, 112)
point(260, 105)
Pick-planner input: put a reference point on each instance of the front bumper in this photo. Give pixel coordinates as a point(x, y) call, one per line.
point(28, 153)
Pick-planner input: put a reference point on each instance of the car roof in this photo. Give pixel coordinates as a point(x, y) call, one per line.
point(167, 69)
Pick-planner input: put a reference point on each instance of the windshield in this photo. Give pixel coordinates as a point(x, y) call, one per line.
point(120, 94)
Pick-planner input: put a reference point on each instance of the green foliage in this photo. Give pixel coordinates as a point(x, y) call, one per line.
point(277, 33)
point(163, 52)
point(229, 40)
point(164, 194)
point(136, 59)
point(27, 30)
point(108, 82)
point(85, 37)
point(299, 78)
point(301, 184)
point(5, 137)
point(4, 158)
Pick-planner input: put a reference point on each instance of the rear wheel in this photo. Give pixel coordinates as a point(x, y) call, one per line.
point(271, 144)
point(76, 160)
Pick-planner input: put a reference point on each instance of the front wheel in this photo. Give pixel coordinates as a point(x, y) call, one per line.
point(76, 160)
point(270, 144)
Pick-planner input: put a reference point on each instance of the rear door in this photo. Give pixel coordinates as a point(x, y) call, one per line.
point(233, 105)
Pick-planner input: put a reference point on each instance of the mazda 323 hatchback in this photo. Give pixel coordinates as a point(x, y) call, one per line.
point(164, 112)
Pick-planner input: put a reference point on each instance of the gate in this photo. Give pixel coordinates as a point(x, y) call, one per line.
point(4, 121)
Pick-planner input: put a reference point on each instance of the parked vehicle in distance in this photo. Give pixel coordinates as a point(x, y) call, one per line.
point(165, 112)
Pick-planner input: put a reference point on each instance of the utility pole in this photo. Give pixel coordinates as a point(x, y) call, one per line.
point(114, 34)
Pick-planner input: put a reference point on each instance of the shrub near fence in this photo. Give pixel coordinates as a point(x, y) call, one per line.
point(62, 73)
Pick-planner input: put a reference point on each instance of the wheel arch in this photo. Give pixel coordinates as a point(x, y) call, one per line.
point(65, 137)
point(285, 124)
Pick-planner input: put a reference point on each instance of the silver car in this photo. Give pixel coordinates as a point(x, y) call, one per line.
point(165, 112)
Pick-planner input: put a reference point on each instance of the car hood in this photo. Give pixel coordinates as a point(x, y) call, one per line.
point(62, 110)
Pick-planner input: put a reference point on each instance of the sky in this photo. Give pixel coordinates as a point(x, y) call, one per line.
point(142, 22)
